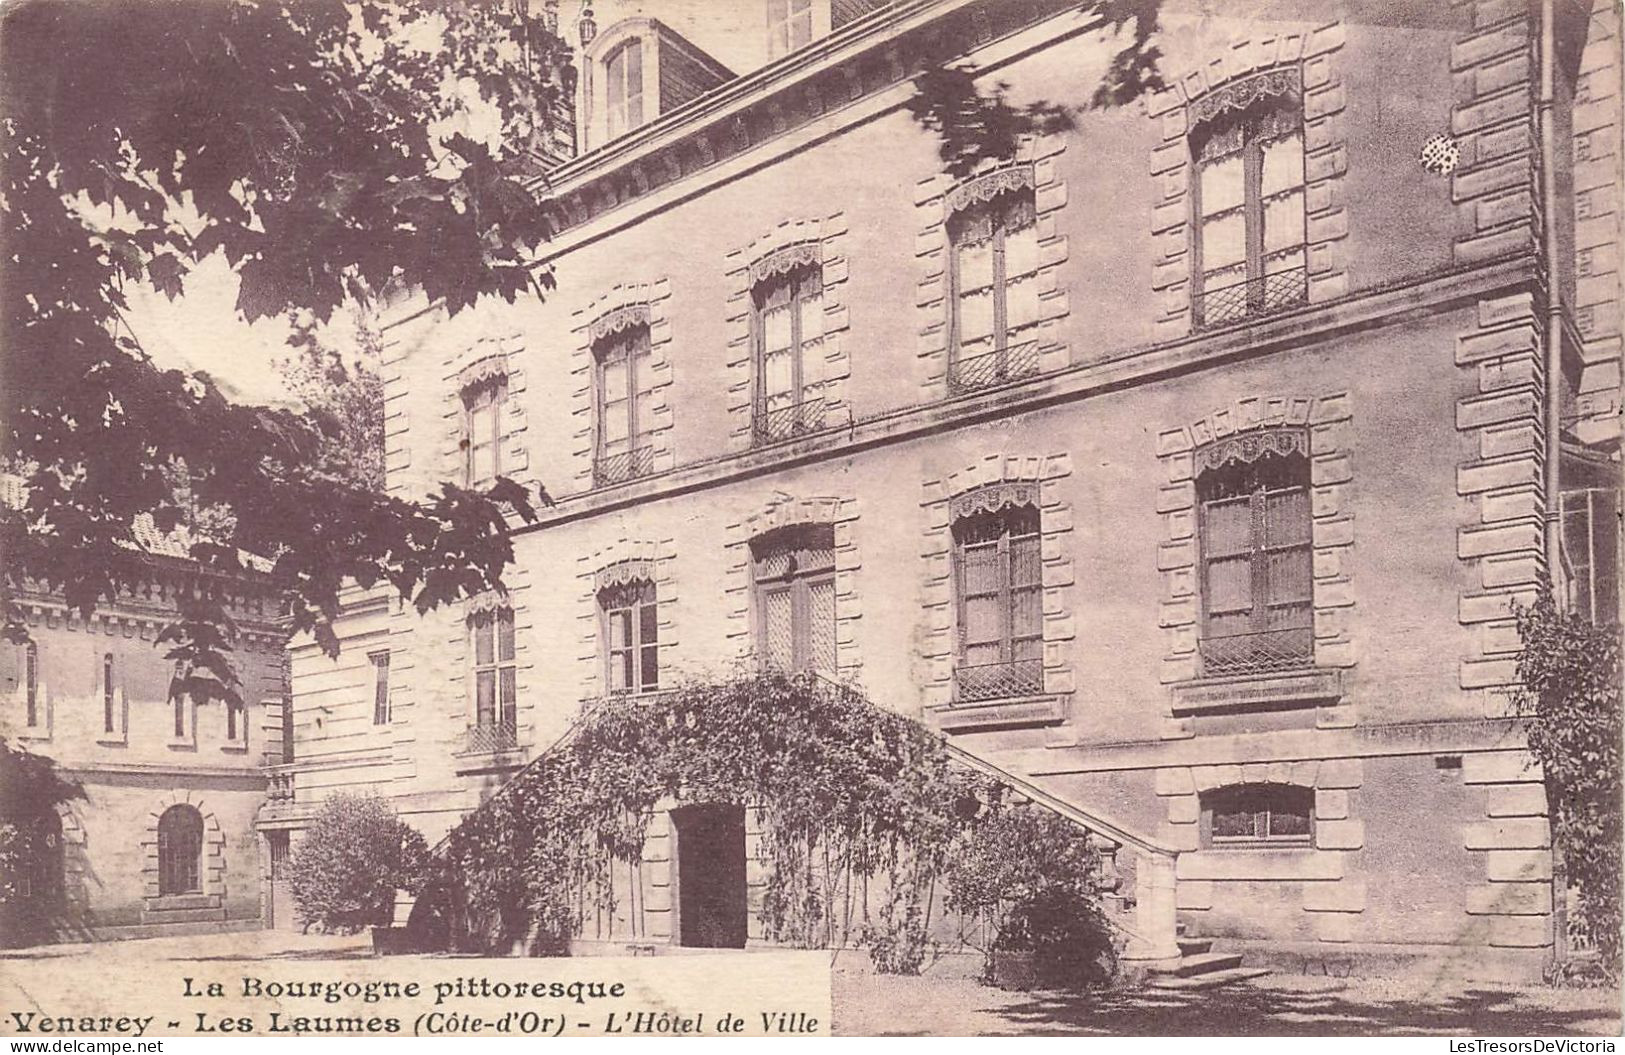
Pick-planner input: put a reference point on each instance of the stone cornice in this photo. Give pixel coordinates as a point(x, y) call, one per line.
point(858, 62)
point(1445, 736)
point(1365, 310)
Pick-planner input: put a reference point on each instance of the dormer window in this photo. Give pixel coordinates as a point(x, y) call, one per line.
point(789, 26)
point(623, 83)
point(636, 70)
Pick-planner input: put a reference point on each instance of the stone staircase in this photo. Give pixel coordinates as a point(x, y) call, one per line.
point(1199, 967)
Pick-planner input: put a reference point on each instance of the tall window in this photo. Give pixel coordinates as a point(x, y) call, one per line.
point(631, 636)
point(789, 327)
point(1258, 815)
point(483, 404)
point(999, 587)
point(625, 392)
point(1591, 551)
point(177, 696)
point(789, 26)
point(109, 704)
point(236, 722)
point(794, 572)
point(31, 682)
point(1249, 203)
point(623, 76)
point(995, 290)
point(180, 850)
point(495, 673)
point(380, 688)
point(1257, 583)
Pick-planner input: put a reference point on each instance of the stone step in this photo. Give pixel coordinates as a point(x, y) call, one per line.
point(1210, 980)
point(1201, 963)
point(1195, 946)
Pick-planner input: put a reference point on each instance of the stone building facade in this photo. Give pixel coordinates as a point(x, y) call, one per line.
point(1181, 467)
point(162, 838)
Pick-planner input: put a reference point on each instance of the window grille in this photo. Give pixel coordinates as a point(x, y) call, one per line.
point(999, 593)
point(1254, 529)
point(1249, 235)
point(994, 275)
point(793, 569)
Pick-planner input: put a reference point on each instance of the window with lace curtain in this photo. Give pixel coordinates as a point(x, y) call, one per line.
point(793, 570)
point(789, 338)
point(625, 396)
point(1256, 553)
point(1248, 198)
point(999, 593)
point(994, 277)
point(631, 621)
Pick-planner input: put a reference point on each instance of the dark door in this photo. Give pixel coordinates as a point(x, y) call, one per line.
point(711, 901)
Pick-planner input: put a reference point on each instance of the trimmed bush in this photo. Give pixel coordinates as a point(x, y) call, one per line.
point(353, 858)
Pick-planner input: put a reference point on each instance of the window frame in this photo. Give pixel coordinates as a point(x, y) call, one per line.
point(997, 209)
point(805, 281)
point(31, 684)
point(621, 349)
point(498, 625)
point(637, 602)
point(109, 701)
point(1253, 203)
point(186, 859)
point(618, 119)
point(485, 397)
point(380, 687)
point(785, 14)
point(1264, 801)
point(1258, 553)
point(1006, 592)
point(799, 583)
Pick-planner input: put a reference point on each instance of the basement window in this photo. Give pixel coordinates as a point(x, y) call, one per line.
point(1258, 815)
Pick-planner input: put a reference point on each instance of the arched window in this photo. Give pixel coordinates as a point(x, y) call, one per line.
point(788, 326)
point(794, 573)
point(994, 274)
point(999, 592)
point(625, 398)
point(1256, 552)
point(623, 76)
point(1247, 145)
point(180, 850)
point(1243, 815)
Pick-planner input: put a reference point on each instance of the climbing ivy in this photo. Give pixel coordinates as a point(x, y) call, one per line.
point(846, 794)
point(1569, 671)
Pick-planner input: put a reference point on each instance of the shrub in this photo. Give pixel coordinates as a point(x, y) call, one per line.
point(1030, 875)
point(354, 857)
point(1570, 695)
